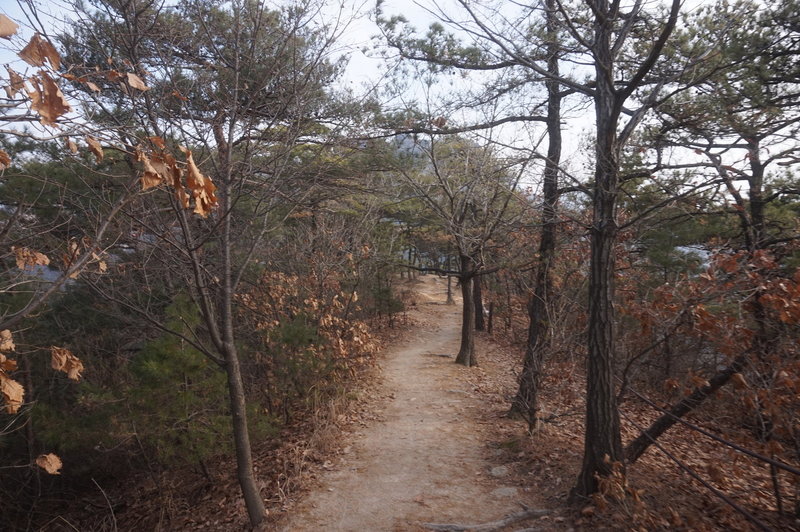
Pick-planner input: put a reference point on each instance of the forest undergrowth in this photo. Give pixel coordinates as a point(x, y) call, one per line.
point(658, 494)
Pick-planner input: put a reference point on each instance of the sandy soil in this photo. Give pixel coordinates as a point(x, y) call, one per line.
point(429, 459)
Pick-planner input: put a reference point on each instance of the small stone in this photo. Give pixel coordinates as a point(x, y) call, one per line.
point(505, 492)
point(499, 471)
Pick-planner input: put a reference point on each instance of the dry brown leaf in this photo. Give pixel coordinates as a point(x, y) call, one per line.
point(7, 27)
point(136, 82)
point(62, 359)
point(203, 190)
point(158, 142)
point(102, 266)
point(94, 147)
point(6, 341)
point(164, 166)
point(738, 381)
point(150, 177)
point(175, 177)
point(27, 258)
point(50, 463)
point(38, 51)
point(16, 83)
point(194, 177)
point(13, 393)
point(6, 364)
point(92, 86)
point(72, 146)
point(183, 197)
point(5, 160)
point(47, 99)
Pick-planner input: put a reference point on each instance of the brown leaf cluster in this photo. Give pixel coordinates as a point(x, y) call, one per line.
point(203, 190)
point(28, 259)
point(5, 160)
point(62, 359)
point(102, 265)
point(160, 167)
point(349, 341)
point(12, 391)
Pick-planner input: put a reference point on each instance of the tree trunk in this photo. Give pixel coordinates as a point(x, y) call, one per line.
point(241, 437)
point(450, 300)
point(256, 510)
point(466, 353)
point(478, 296)
point(602, 443)
point(526, 402)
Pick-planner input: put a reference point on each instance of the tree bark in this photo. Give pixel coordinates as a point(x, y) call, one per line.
point(602, 443)
point(526, 402)
point(450, 300)
point(241, 437)
point(477, 295)
point(466, 353)
point(256, 510)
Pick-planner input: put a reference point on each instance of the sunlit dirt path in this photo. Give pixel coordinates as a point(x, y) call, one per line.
point(426, 461)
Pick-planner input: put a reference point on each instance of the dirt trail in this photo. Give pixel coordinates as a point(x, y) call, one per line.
point(428, 459)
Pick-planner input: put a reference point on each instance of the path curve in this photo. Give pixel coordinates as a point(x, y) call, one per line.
point(427, 460)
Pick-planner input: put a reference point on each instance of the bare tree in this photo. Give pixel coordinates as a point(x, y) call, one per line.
point(240, 90)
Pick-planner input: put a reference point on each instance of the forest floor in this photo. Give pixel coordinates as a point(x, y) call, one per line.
point(417, 439)
point(430, 442)
point(433, 456)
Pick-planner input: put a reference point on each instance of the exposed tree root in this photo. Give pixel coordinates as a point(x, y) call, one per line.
point(493, 526)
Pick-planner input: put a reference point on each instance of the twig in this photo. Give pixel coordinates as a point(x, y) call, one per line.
point(110, 506)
